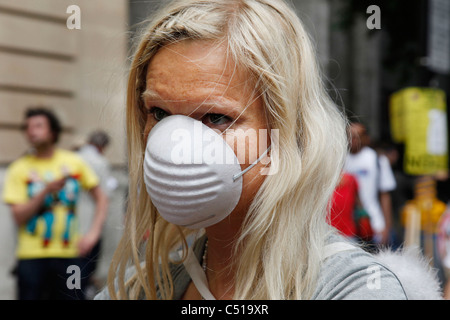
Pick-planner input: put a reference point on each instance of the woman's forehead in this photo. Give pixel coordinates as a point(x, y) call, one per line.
point(190, 58)
point(181, 70)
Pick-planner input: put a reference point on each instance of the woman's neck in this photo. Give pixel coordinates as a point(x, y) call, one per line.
point(221, 256)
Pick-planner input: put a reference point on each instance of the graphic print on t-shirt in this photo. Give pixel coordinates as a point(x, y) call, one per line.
point(66, 197)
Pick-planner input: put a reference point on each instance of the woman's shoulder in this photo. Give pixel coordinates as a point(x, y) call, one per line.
point(349, 272)
point(352, 273)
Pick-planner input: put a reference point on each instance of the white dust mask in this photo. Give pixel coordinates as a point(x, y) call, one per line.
point(192, 175)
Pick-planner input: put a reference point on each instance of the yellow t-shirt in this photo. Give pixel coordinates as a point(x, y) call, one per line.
point(53, 231)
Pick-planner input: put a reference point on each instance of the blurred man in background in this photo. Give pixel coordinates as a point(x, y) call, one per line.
point(42, 189)
point(375, 179)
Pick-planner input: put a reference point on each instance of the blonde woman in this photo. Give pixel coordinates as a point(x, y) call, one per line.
point(235, 66)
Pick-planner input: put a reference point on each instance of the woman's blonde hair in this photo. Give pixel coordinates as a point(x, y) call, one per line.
point(285, 228)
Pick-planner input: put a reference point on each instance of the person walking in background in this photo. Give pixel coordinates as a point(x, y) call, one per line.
point(42, 190)
point(93, 153)
point(375, 180)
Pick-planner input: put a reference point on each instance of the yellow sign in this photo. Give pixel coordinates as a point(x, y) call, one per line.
point(419, 120)
point(396, 117)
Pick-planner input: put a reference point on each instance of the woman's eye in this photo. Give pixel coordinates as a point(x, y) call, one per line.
point(158, 113)
point(217, 119)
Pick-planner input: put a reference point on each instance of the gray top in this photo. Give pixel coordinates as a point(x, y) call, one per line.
point(347, 275)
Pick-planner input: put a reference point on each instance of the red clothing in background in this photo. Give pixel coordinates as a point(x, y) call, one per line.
point(343, 205)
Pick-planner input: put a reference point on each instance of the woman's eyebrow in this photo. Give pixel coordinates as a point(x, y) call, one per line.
point(154, 97)
point(221, 104)
point(150, 94)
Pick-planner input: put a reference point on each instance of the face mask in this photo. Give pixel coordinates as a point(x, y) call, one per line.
point(191, 174)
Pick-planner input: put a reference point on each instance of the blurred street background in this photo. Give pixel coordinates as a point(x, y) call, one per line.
point(81, 74)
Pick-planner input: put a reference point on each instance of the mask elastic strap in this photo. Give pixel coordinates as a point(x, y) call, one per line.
point(240, 174)
point(197, 275)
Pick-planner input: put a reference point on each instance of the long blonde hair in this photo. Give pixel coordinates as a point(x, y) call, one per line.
point(285, 228)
